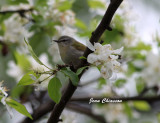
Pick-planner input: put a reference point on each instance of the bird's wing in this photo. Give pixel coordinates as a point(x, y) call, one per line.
point(79, 46)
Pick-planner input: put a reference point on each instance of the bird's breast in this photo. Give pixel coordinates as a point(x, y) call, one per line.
point(71, 56)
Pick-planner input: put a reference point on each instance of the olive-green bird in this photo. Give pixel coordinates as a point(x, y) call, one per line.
point(70, 50)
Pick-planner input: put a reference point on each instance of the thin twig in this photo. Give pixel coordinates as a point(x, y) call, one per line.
point(21, 12)
point(16, 11)
point(145, 90)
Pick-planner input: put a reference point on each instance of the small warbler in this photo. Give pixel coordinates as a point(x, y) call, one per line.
point(70, 50)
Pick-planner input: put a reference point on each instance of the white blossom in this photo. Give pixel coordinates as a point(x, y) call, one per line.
point(111, 112)
point(36, 66)
point(15, 30)
point(105, 57)
point(3, 93)
point(17, 71)
point(41, 83)
point(3, 100)
point(73, 117)
point(67, 19)
point(69, 117)
point(152, 69)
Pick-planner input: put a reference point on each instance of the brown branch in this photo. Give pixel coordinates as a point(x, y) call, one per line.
point(42, 110)
point(21, 12)
point(58, 108)
point(145, 90)
point(104, 24)
point(85, 110)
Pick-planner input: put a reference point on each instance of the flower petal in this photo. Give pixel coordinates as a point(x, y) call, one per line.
point(92, 58)
point(90, 45)
point(118, 51)
point(3, 100)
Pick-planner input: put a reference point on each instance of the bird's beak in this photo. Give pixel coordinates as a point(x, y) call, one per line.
point(55, 41)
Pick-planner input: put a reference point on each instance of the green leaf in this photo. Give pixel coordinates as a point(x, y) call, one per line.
point(39, 41)
point(102, 82)
point(65, 6)
point(80, 7)
point(80, 24)
point(82, 57)
point(140, 84)
point(120, 82)
point(17, 2)
point(110, 36)
point(2, 30)
point(119, 22)
point(26, 79)
point(17, 91)
point(142, 46)
point(96, 4)
point(3, 18)
point(22, 60)
point(1, 97)
point(85, 33)
point(19, 107)
point(73, 76)
point(40, 3)
point(54, 87)
point(142, 105)
point(131, 69)
point(127, 110)
point(62, 77)
point(79, 71)
point(32, 53)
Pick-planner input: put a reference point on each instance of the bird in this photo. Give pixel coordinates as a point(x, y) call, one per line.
point(70, 50)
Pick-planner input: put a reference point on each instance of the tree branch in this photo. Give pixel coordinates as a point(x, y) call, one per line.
point(145, 90)
point(21, 12)
point(104, 24)
point(42, 110)
point(58, 108)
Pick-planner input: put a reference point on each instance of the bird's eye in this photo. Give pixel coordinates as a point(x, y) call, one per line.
point(63, 40)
